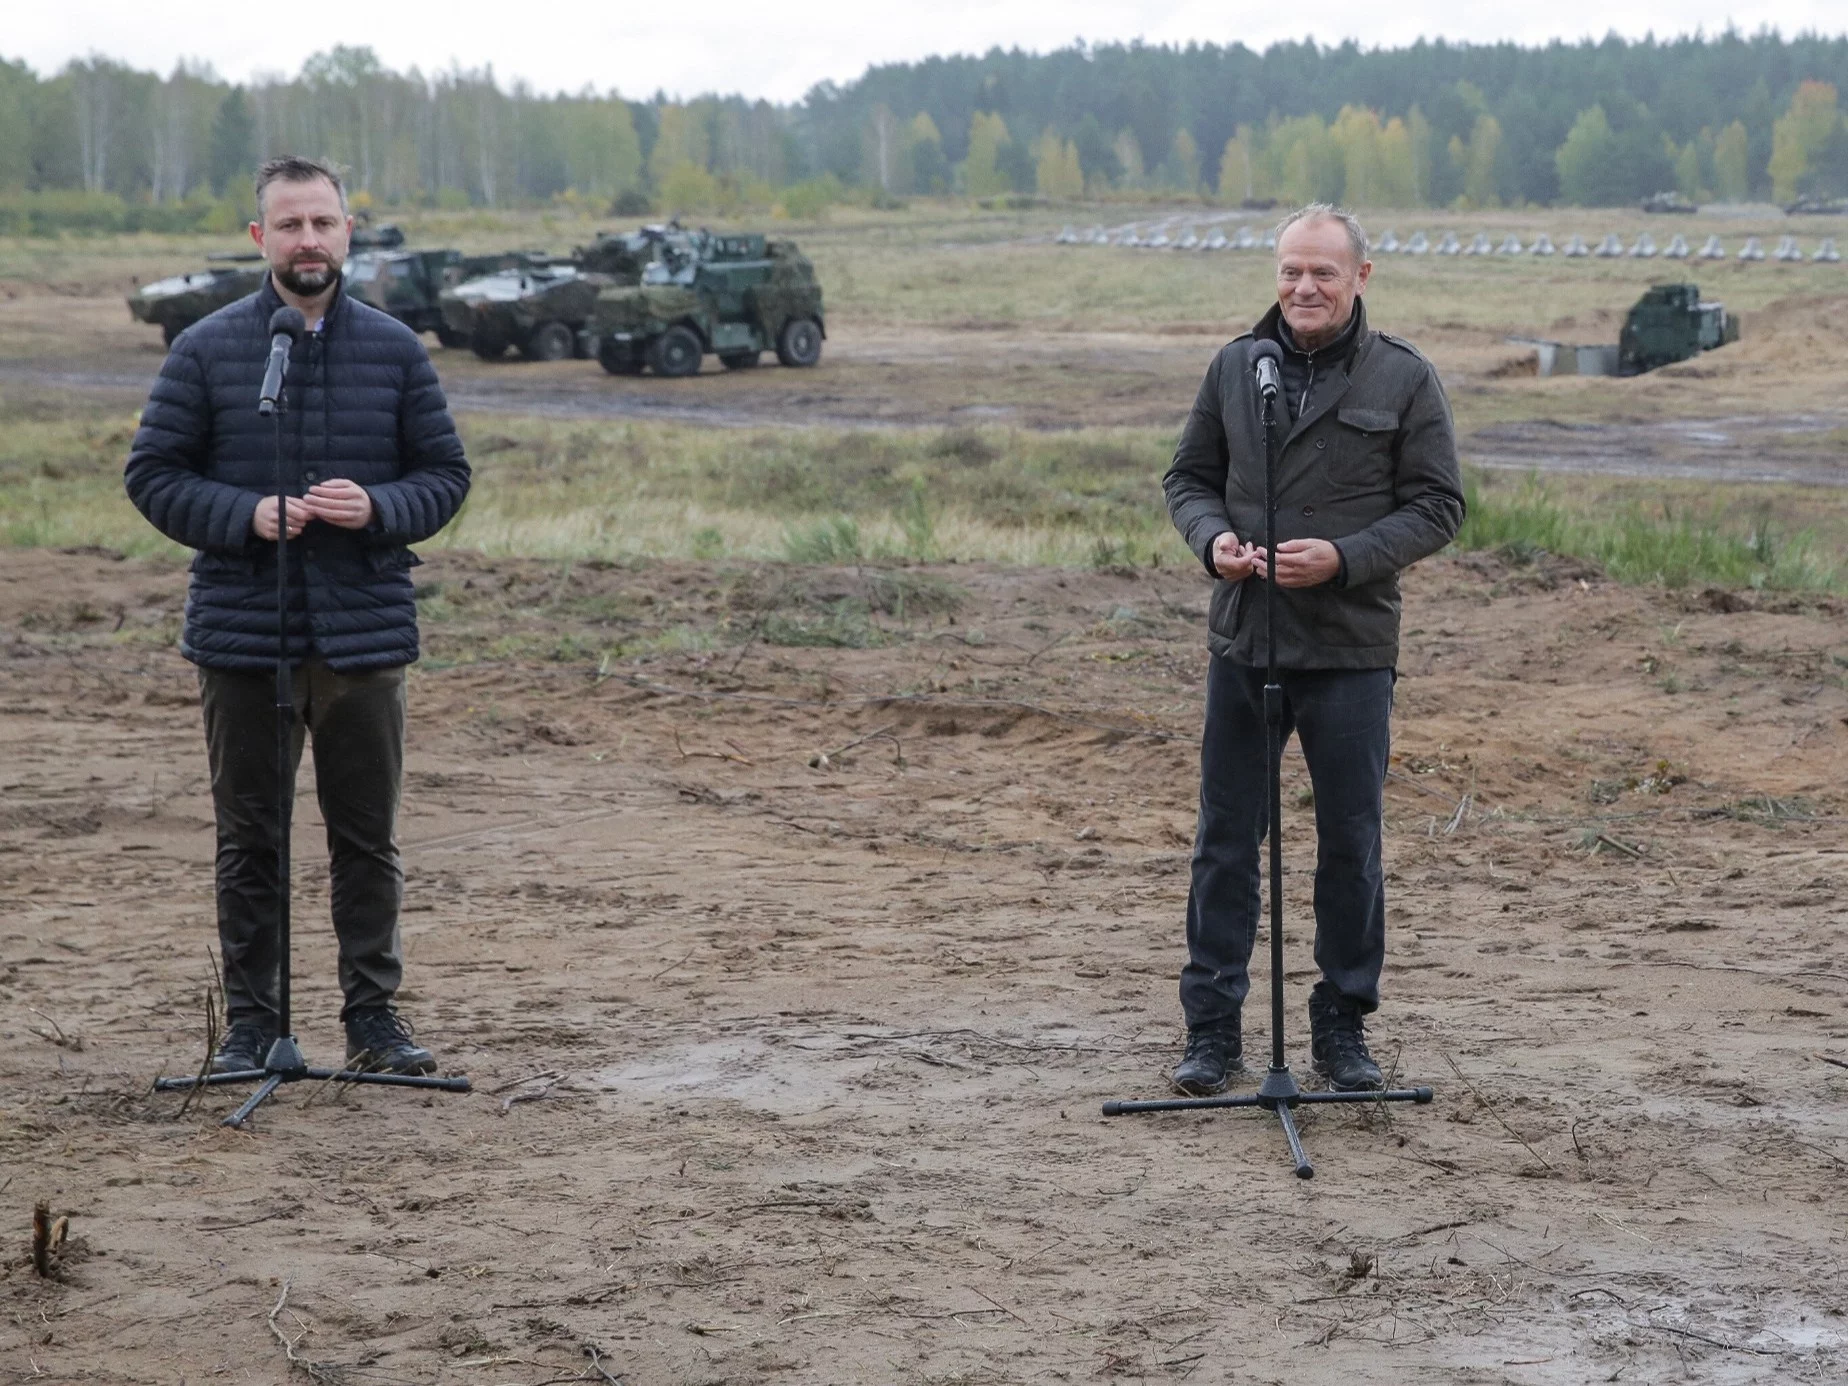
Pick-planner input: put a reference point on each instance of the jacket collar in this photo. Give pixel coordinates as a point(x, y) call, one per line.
point(1273, 328)
point(268, 301)
point(1353, 344)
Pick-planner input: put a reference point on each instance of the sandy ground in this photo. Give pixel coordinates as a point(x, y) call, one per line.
point(791, 1072)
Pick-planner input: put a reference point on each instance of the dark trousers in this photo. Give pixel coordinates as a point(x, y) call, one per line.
point(357, 723)
point(1343, 719)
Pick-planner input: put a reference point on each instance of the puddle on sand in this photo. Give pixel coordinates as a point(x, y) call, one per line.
point(787, 1077)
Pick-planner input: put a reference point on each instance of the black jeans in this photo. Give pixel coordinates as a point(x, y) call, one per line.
point(1343, 719)
point(357, 722)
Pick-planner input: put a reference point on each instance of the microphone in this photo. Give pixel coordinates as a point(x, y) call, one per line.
point(286, 328)
point(1265, 357)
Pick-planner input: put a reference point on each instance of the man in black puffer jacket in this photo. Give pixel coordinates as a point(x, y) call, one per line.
point(371, 463)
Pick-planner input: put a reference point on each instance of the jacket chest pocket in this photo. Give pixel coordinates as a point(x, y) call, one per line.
point(1361, 448)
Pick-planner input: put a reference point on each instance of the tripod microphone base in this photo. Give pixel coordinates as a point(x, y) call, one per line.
point(272, 1076)
point(1278, 1093)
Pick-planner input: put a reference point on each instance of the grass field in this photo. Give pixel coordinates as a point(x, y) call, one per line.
point(982, 285)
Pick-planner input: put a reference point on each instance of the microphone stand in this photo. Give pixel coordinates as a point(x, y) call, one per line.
point(285, 1062)
point(1279, 1092)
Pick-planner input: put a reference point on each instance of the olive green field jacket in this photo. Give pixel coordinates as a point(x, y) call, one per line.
point(1370, 464)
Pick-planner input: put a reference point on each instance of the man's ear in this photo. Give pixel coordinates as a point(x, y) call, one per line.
point(256, 233)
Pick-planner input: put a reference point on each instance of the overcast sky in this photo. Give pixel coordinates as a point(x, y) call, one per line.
point(780, 48)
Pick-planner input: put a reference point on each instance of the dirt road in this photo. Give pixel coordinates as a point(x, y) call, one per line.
point(790, 1070)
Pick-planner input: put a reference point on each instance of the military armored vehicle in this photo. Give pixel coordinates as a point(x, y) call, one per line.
point(1670, 323)
point(409, 284)
point(735, 296)
point(1818, 207)
point(540, 304)
point(1669, 203)
point(175, 304)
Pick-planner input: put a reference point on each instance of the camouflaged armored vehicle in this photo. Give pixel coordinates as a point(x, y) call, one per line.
point(409, 284)
point(1670, 323)
point(175, 304)
point(540, 305)
point(734, 296)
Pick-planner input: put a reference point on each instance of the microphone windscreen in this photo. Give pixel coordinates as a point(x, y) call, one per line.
point(288, 322)
point(1265, 350)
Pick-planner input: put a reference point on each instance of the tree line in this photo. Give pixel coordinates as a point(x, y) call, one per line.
point(1727, 117)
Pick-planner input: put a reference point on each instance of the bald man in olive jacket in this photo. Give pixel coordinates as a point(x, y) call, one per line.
point(1367, 484)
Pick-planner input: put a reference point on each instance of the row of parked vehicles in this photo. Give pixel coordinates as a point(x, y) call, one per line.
point(661, 298)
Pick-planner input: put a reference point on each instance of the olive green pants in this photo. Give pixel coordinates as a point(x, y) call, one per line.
point(356, 722)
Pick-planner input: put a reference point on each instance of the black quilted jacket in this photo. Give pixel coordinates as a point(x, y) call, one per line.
point(363, 403)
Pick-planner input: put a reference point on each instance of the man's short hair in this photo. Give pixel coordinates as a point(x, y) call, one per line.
point(296, 168)
point(1327, 211)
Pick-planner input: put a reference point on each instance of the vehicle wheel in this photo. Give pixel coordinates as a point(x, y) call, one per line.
point(450, 339)
point(739, 360)
point(618, 359)
point(549, 341)
point(675, 352)
point(487, 346)
point(799, 343)
point(168, 332)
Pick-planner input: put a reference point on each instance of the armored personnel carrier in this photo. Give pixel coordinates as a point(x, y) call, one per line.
point(175, 304)
point(409, 284)
point(539, 305)
point(734, 296)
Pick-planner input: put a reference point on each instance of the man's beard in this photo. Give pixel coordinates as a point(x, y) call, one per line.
point(306, 278)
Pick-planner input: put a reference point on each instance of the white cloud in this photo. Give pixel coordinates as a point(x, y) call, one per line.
point(779, 48)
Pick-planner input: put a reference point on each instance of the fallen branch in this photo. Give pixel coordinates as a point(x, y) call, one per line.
point(1489, 1107)
point(57, 1037)
point(211, 1037)
point(685, 754)
point(595, 1355)
point(1606, 840)
point(1839, 1063)
point(529, 1095)
point(327, 1372)
point(824, 760)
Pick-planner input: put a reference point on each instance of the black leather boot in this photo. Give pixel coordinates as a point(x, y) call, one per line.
point(379, 1041)
point(1338, 1044)
point(1214, 1052)
point(244, 1047)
